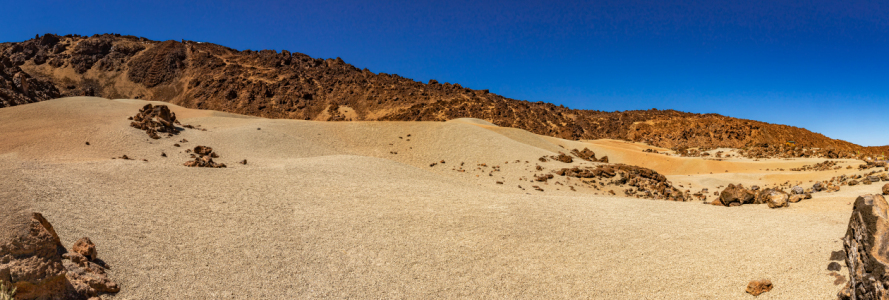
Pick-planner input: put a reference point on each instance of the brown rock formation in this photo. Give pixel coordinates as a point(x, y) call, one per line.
point(758, 287)
point(866, 247)
point(34, 261)
point(282, 84)
point(154, 119)
point(204, 158)
point(649, 184)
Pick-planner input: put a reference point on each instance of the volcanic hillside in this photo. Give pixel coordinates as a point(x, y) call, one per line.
point(282, 84)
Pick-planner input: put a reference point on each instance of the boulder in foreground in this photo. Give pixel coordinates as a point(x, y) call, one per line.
point(867, 249)
point(34, 262)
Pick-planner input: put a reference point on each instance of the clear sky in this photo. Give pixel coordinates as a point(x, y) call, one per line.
point(821, 65)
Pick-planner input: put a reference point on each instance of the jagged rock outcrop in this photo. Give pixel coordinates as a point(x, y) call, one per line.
point(154, 119)
point(282, 84)
point(34, 261)
point(866, 243)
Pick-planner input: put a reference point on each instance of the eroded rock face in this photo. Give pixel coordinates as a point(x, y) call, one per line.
point(34, 261)
point(867, 249)
point(155, 119)
point(31, 257)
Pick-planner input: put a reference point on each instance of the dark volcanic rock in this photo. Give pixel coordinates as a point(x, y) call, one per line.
point(866, 243)
point(159, 64)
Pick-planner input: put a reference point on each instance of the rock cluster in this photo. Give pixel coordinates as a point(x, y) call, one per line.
point(644, 183)
point(822, 166)
point(34, 261)
point(154, 119)
point(736, 195)
point(585, 154)
point(204, 158)
point(865, 243)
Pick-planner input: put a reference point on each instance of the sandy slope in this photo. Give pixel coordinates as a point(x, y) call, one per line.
point(326, 210)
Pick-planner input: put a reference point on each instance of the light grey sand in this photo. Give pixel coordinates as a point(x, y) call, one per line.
point(323, 210)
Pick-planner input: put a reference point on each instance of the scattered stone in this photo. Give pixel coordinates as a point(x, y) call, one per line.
point(204, 158)
point(163, 154)
point(865, 242)
point(155, 119)
point(244, 162)
point(796, 198)
point(604, 159)
point(562, 157)
point(840, 279)
point(834, 266)
point(796, 190)
point(87, 143)
point(886, 189)
point(500, 182)
point(84, 246)
point(758, 287)
point(176, 145)
point(853, 183)
point(837, 255)
point(183, 141)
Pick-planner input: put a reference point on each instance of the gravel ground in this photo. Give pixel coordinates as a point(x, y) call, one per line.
point(325, 210)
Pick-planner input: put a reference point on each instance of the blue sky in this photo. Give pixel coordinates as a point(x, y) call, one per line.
point(821, 65)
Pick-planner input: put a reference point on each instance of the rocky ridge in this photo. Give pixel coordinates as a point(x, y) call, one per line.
point(282, 84)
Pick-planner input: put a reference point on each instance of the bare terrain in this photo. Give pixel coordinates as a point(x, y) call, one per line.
point(406, 210)
point(285, 85)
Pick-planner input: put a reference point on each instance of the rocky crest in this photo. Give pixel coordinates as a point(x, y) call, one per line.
point(282, 84)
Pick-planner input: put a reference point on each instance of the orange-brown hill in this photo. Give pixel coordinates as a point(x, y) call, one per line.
point(282, 84)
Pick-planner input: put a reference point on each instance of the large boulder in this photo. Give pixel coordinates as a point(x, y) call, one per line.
point(734, 195)
point(777, 199)
point(31, 257)
point(867, 249)
point(796, 198)
point(34, 262)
